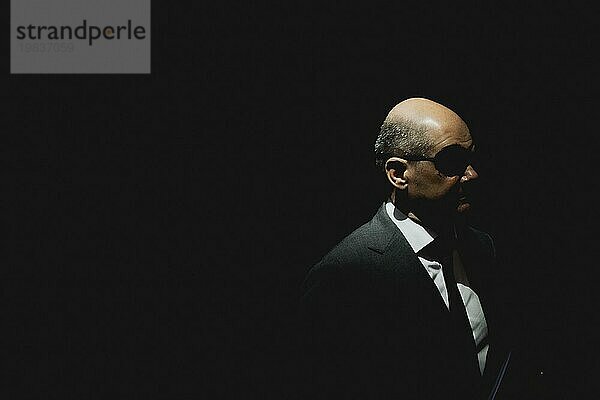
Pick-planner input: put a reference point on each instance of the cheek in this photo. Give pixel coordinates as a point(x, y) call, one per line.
point(430, 183)
point(449, 184)
point(441, 186)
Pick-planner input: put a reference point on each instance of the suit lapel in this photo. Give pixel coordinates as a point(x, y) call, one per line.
point(478, 265)
point(386, 239)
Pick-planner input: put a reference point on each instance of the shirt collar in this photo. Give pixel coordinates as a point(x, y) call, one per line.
point(417, 236)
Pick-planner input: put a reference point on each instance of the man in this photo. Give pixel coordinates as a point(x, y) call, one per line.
point(404, 306)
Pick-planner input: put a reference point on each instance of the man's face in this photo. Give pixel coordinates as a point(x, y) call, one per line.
point(433, 188)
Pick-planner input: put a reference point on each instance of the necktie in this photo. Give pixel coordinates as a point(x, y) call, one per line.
point(465, 377)
point(465, 343)
point(442, 250)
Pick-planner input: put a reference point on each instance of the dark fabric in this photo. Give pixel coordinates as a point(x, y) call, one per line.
point(375, 325)
point(466, 347)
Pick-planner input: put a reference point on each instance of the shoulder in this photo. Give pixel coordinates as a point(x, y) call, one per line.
point(350, 249)
point(350, 254)
point(364, 247)
point(359, 260)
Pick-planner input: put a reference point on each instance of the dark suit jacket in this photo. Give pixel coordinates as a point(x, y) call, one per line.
point(377, 327)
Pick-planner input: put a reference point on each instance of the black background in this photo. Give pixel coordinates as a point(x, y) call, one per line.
point(159, 227)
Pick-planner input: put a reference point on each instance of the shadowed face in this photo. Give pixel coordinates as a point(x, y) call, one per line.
point(428, 185)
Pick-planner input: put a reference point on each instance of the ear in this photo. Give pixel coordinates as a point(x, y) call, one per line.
point(395, 169)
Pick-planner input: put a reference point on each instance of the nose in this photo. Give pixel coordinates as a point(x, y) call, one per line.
point(469, 174)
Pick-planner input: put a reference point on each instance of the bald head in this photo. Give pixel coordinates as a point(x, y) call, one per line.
point(413, 127)
point(428, 114)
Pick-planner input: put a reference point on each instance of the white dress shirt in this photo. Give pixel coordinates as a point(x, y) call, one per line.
point(418, 237)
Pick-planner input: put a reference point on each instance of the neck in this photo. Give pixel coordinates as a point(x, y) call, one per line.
point(442, 222)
